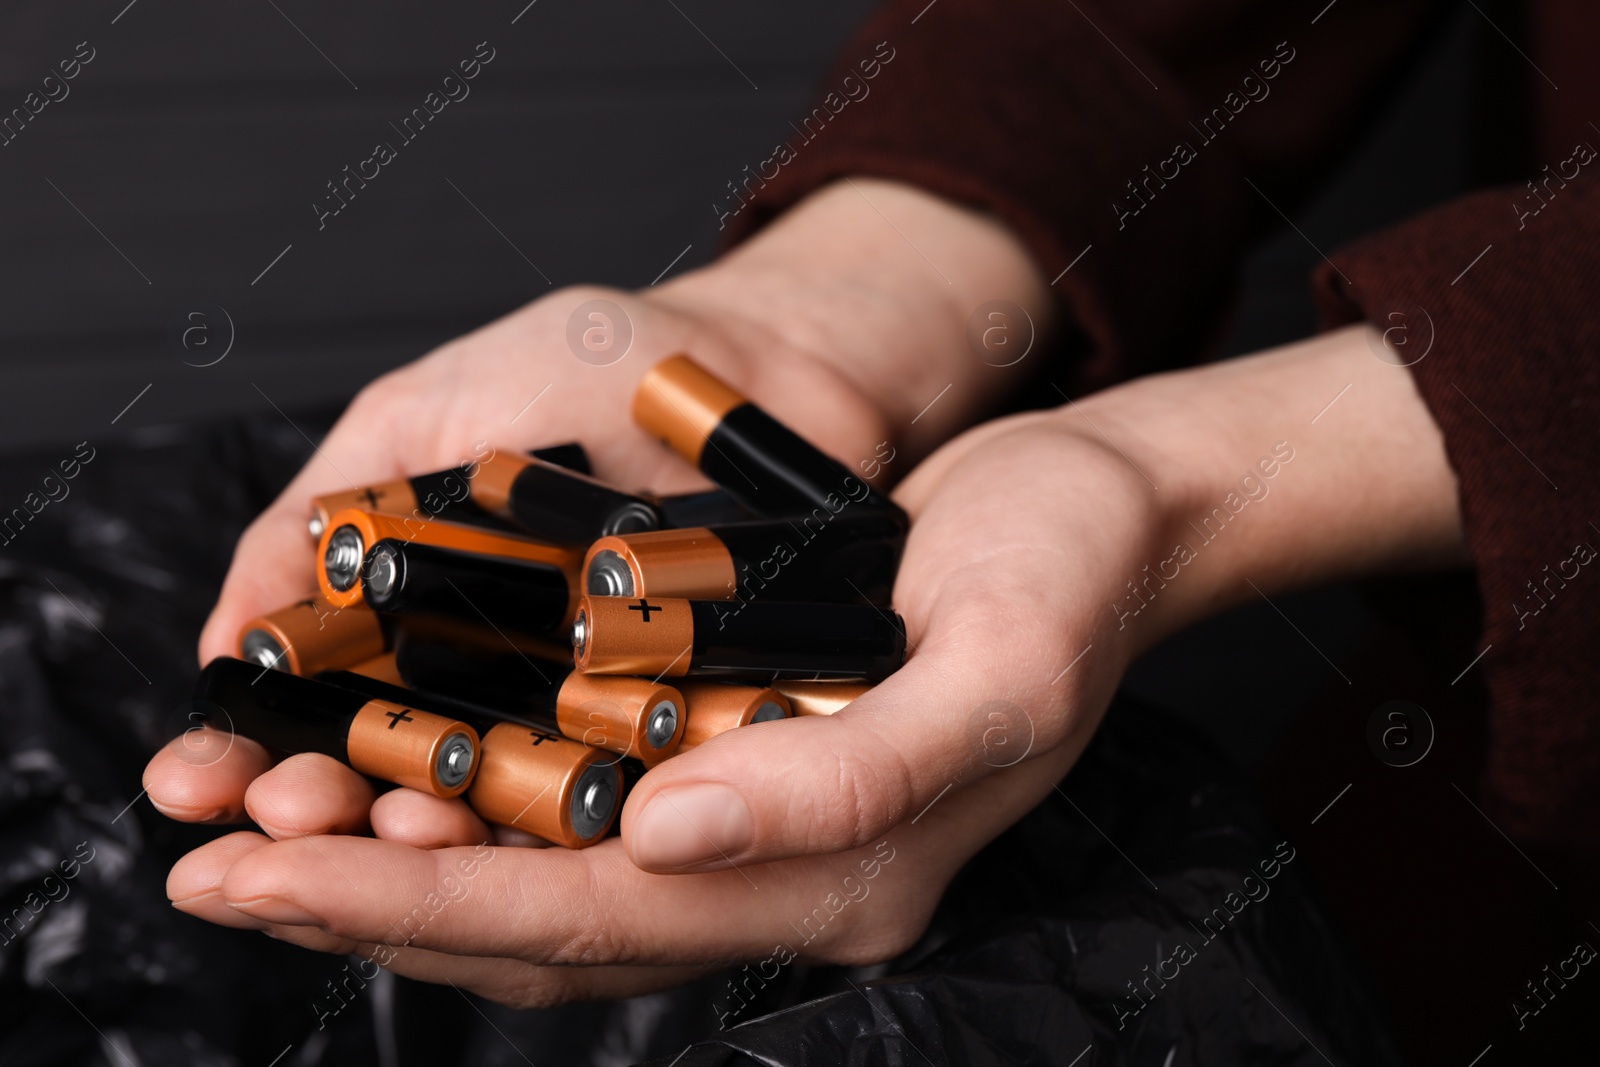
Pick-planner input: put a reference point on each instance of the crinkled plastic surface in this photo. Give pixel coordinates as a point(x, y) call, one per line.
point(1080, 937)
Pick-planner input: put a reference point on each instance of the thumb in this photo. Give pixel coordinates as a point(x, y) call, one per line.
point(822, 784)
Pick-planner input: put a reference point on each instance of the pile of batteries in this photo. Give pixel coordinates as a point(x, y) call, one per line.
point(434, 654)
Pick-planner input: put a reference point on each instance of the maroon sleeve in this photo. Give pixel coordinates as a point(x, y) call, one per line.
point(1502, 298)
point(1115, 142)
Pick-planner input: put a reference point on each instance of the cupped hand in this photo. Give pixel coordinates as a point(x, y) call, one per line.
point(827, 839)
point(515, 384)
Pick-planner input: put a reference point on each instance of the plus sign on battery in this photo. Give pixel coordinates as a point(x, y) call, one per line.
point(644, 608)
point(398, 717)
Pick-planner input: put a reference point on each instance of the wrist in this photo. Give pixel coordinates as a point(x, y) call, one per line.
point(1264, 486)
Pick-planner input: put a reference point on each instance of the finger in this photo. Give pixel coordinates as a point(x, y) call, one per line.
point(310, 794)
point(821, 784)
point(194, 885)
point(545, 906)
point(505, 981)
point(414, 818)
point(202, 775)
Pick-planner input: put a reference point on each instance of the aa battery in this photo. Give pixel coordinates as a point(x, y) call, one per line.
point(845, 559)
point(716, 707)
point(710, 507)
point(820, 698)
point(528, 776)
point(758, 460)
point(546, 785)
point(446, 492)
point(558, 505)
point(416, 581)
point(760, 639)
point(352, 532)
point(311, 636)
point(387, 740)
point(629, 716)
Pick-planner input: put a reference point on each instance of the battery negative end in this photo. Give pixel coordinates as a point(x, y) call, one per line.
point(262, 649)
point(456, 757)
point(342, 560)
point(662, 726)
point(609, 575)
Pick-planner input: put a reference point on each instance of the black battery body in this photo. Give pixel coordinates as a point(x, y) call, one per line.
point(774, 471)
point(280, 710)
point(772, 639)
point(570, 455)
point(557, 505)
point(507, 681)
point(710, 507)
point(851, 557)
point(411, 580)
point(755, 641)
point(435, 751)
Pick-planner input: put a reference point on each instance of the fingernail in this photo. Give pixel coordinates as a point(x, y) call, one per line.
point(275, 910)
point(184, 904)
point(183, 814)
point(690, 826)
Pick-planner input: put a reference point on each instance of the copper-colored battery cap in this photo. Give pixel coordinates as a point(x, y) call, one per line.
point(548, 786)
point(615, 635)
point(630, 716)
point(821, 698)
point(681, 402)
point(491, 489)
point(715, 708)
point(311, 636)
point(690, 563)
point(351, 532)
point(397, 497)
point(413, 748)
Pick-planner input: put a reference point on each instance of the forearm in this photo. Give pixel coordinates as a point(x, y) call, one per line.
point(877, 281)
point(1302, 465)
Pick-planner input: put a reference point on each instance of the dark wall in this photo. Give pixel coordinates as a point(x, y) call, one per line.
point(188, 154)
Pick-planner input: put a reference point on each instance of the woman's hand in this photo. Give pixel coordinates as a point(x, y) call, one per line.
point(828, 318)
point(1048, 550)
point(1001, 586)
